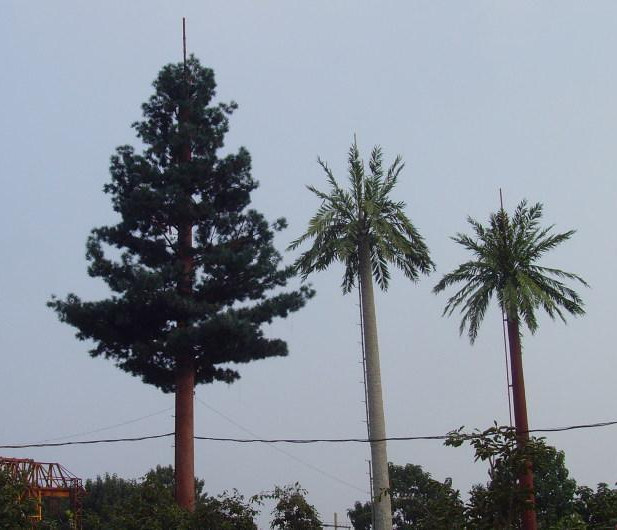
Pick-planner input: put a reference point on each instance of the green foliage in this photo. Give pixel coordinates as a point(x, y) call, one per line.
point(292, 511)
point(361, 516)
point(103, 497)
point(500, 503)
point(598, 509)
point(179, 186)
point(505, 264)
point(572, 521)
point(15, 506)
point(228, 511)
point(150, 505)
point(554, 489)
point(418, 501)
point(494, 445)
point(115, 504)
point(364, 212)
point(57, 514)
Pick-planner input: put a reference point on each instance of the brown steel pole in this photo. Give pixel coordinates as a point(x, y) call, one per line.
point(185, 364)
point(184, 449)
point(185, 379)
point(520, 421)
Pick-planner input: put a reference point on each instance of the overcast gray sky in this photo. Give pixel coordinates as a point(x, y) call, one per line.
point(475, 96)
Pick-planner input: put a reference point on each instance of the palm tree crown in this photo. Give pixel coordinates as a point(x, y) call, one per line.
point(506, 254)
point(363, 213)
point(365, 230)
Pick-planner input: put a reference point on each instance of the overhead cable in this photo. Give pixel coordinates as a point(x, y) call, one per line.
point(296, 440)
point(108, 427)
point(280, 450)
point(87, 442)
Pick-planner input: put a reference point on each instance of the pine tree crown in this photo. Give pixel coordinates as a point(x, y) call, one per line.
point(178, 184)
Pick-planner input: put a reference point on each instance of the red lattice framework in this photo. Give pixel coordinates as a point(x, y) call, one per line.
point(46, 479)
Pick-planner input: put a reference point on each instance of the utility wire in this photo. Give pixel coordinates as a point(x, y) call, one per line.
point(87, 442)
point(282, 451)
point(128, 422)
point(296, 440)
point(574, 427)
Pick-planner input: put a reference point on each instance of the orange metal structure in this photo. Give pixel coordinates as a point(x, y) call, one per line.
point(46, 479)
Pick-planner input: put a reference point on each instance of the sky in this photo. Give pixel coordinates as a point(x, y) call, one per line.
point(475, 96)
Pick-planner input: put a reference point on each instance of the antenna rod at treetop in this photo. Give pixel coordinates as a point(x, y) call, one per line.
point(184, 39)
point(500, 198)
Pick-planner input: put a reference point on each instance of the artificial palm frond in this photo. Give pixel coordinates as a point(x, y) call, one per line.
point(505, 255)
point(364, 212)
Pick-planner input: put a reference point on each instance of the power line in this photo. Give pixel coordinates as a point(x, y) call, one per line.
point(317, 440)
point(122, 424)
point(296, 440)
point(87, 442)
point(282, 451)
point(574, 427)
